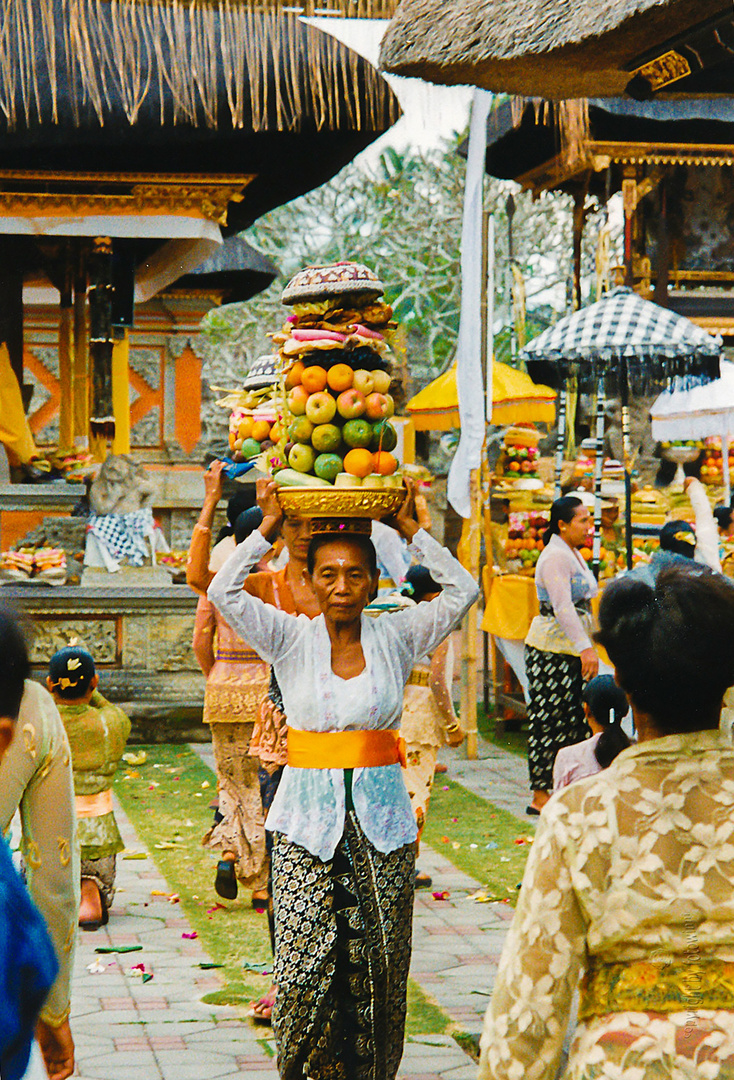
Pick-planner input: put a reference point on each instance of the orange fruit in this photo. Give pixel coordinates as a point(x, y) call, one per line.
point(276, 432)
point(244, 428)
point(260, 430)
point(313, 379)
point(340, 377)
point(385, 463)
point(359, 462)
point(293, 377)
point(232, 439)
point(586, 553)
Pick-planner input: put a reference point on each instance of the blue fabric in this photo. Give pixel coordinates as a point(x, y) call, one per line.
point(233, 469)
point(28, 968)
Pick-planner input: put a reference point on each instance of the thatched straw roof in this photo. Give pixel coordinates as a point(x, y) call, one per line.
point(539, 48)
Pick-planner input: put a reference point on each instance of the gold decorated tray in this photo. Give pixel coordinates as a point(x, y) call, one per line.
point(319, 502)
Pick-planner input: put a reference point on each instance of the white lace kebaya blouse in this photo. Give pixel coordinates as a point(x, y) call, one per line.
point(309, 808)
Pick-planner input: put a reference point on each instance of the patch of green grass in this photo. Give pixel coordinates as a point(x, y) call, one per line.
point(177, 812)
point(425, 1017)
point(478, 838)
point(514, 741)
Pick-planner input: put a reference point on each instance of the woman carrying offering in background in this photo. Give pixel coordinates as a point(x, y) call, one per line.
point(236, 683)
point(288, 590)
point(605, 707)
point(559, 656)
point(343, 857)
point(429, 720)
point(631, 875)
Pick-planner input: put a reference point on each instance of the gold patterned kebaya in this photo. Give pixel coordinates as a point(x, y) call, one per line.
point(631, 878)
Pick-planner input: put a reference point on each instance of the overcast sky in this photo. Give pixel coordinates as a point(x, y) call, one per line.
point(430, 113)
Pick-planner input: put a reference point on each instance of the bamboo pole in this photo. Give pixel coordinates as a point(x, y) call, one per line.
point(80, 377)
point(66, 372)
point(598, 470)
point(469, 554)
point(121, 392)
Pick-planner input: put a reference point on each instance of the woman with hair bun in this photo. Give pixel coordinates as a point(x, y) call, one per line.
point(631, 875)
point(559, 655)
point(605, 707)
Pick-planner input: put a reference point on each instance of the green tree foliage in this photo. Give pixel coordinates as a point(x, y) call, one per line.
point(403, 218)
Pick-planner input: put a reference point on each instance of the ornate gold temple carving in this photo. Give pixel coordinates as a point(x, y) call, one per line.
point(50, 194)
point(664, 70)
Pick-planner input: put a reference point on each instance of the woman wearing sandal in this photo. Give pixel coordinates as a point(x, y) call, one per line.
point(344, 832)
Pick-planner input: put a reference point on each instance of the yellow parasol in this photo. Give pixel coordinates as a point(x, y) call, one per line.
point(516, 399)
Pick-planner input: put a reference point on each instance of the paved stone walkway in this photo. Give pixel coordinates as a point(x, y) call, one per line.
point(161, 1030)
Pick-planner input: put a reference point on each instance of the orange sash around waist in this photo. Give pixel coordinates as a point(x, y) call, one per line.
point(344, 749)
point(94, 805)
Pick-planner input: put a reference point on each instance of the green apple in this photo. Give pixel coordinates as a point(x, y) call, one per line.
point(328, 467)
point(381, 381)
point(301, 458)
point(326, 438)
point(363, 381)
point(300, 430)
point(321, 407)
point(357, 433)
point(384, 436)
point(250, 448)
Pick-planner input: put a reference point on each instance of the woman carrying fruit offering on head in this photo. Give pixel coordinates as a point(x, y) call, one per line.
point(343, 857)
point(559, 655)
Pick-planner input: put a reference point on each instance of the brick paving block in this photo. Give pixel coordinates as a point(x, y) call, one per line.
point(125, 1004)
point(132, 1042)
point(167, 1042)
point(153, 1003)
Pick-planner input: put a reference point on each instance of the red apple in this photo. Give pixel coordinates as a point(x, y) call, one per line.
point(381, 380)
point(297, 399)
point(321, 408)
point(350, 404)
point(363, 381)
point(377, 407)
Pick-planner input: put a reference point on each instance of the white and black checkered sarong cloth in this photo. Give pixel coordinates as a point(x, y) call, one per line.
point(126, 536)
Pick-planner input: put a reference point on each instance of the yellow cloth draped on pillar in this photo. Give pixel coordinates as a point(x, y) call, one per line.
point(510, 605)
point(15, 433)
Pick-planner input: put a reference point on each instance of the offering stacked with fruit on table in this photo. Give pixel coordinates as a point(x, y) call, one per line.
point(519, 457)
point(336, 427)
point(524, 541)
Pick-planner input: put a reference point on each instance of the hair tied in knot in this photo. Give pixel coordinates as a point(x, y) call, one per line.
point(685, 538)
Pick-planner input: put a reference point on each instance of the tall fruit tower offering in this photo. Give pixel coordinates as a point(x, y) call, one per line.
point(334, 352)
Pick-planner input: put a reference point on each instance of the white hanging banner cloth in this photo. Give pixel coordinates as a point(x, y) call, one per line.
point(469, 359)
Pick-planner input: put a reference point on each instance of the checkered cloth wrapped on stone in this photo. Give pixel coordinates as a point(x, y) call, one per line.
point(126, 536)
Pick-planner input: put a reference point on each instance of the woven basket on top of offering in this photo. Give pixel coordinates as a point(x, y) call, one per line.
point(334, 454)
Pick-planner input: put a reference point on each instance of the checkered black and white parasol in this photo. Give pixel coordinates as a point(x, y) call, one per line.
point(623, 330)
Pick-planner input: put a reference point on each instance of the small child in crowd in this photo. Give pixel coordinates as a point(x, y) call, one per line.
point(97, 732)
point(605, 706)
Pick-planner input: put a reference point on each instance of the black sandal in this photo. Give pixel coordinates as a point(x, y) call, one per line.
point(225, 883)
